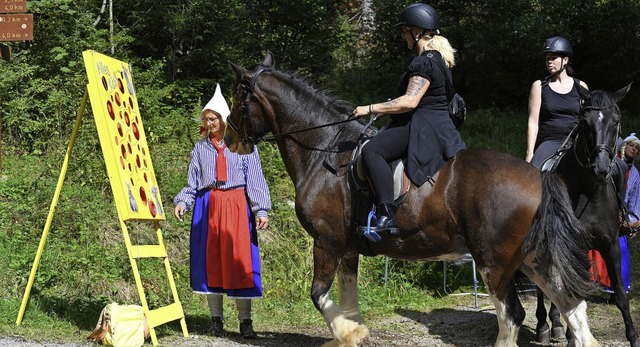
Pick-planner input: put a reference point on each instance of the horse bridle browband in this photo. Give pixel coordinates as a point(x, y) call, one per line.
point(250, 88)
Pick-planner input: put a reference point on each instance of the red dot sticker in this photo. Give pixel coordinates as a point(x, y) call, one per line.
point(120, 130)
point(126, 118)
point(143, 195)
point(152, 208)
point(136, 133)
point(123, 150)
point(104, 83)
point(120, 86)
point(110, 110)
point(117, 95)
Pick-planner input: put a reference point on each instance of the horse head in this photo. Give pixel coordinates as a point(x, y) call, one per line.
point(241, 122)
point(598, 131)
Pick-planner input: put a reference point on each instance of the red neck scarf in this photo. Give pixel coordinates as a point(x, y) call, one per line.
point(221, 161)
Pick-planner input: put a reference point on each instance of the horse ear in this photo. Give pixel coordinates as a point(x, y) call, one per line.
point(618, 95)
point(239, 71)
point(269, 60)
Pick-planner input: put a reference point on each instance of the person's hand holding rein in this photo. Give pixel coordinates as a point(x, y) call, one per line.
point(362, 111)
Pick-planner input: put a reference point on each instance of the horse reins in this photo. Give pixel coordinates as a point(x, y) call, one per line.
point(250, 88)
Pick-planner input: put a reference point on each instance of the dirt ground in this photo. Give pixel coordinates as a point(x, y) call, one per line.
point(461, 326)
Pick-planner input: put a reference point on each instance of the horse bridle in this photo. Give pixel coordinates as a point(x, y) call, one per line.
point(250, 89)
point(597, 148)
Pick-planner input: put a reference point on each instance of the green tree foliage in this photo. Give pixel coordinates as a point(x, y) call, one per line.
point(179, 49)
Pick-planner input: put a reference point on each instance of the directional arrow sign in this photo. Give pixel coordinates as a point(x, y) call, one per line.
point(13, 6)
point(16, 27)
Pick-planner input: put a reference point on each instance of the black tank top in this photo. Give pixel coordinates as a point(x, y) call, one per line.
point(558, 113)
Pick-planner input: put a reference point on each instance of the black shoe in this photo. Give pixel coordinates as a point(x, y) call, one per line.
point(386, 218)
point(216, 326)
point(246, 329)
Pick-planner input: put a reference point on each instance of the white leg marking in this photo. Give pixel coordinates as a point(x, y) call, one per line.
point(507, 331)
point(346, 333)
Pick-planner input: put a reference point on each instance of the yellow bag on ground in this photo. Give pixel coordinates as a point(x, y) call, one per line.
point(121, 326)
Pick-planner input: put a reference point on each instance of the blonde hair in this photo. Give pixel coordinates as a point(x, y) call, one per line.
point(442, 45)
point(623, 146)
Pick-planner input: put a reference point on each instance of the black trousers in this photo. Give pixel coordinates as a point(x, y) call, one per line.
point(387, 146)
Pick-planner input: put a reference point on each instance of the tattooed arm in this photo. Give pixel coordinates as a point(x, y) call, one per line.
point(407, 102)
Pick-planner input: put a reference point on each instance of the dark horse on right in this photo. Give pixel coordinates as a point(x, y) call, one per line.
point(586, 166)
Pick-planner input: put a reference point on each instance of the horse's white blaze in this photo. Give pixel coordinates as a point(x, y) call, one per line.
point(507, 330)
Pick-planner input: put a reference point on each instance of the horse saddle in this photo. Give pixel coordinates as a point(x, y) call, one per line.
point(551, 163)
point(358, 173)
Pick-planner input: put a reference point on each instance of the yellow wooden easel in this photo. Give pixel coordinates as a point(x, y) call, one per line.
point(135, 189)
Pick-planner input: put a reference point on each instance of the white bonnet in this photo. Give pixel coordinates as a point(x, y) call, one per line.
point(631, 138)
point(217, 104)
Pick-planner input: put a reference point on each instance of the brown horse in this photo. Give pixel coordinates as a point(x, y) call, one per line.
point(502, 210)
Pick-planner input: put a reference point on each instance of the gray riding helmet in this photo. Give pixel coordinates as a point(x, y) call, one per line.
point(558, 45)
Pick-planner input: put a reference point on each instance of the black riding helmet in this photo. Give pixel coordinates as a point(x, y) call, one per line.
point(421, 16)
point(558, 45)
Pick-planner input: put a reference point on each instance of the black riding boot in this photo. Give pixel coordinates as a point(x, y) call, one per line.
point(386, 218)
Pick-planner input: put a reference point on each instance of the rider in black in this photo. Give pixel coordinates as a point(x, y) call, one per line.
point(420, 128)
point(554, 102)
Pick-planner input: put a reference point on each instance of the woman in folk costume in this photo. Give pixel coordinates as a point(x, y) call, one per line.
point(629, 150)
point(230, 199)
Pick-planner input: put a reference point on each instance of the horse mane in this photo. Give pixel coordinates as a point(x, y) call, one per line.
point(325, 98)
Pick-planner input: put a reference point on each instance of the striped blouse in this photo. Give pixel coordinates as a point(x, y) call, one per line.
point(633, 192)
point(243, 171)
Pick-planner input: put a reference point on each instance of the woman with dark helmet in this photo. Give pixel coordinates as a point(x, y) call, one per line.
point(554, 102)
point(420, 128)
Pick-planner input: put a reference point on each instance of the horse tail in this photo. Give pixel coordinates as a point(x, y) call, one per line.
point(558, 238)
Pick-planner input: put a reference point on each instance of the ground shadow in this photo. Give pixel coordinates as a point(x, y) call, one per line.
point(171, 332)
point(82, 312)
point(464, 327)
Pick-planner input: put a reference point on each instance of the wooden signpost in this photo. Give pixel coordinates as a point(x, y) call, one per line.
point(15, 25)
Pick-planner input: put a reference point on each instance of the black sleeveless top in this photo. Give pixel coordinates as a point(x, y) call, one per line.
point(558, 113)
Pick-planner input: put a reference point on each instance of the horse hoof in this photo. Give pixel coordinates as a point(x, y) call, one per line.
point(558, 332)
point(543, 336)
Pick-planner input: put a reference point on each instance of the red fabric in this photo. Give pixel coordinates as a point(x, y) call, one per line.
point(599, 268)
point(228, 241)
point(221, 160)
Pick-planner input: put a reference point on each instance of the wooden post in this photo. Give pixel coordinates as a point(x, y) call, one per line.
point(0, 139)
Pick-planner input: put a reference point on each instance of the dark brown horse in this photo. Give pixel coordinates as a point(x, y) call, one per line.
point(502, 210)
point(587, 168)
